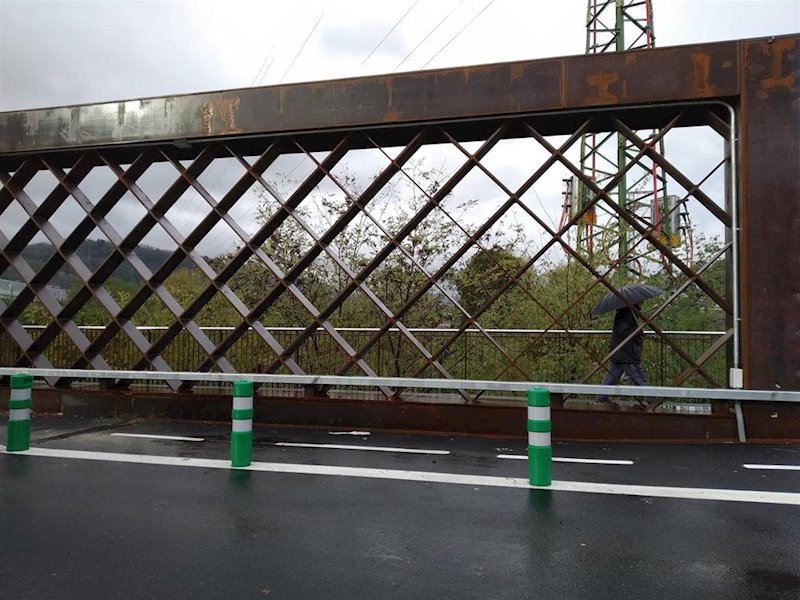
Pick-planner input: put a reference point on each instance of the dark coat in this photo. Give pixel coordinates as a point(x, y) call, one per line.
point(625, 323)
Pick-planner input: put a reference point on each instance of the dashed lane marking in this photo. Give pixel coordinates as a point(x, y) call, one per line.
point(177, 438)
point(588, 461)
point(772, 467)
point(373, 448)
point(756, 496)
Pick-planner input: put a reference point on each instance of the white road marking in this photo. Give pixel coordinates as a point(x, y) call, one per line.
point(761, 497)
point(773, 467)
point(374, 448)
point(363, 433)
point(178, 438)
point(588, 461)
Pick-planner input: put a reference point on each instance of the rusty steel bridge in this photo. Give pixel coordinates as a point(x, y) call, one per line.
point(179, 172)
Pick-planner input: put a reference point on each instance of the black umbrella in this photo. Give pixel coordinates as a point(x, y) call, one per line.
point(634, 294)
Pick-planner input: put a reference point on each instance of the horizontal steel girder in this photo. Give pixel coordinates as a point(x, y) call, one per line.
point(684, 73)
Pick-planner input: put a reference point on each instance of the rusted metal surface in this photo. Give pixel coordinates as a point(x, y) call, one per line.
point(683, 73)
point(770, 152)
point(772, 421)
point(653, 75)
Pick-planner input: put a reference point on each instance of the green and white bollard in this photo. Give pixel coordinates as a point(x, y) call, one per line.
point(540, 450)
point(19, 414)
point(242, 424)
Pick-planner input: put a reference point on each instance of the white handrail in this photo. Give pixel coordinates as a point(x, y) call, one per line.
point(400, 382)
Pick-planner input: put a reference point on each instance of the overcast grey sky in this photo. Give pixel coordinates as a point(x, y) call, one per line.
point(61, 52)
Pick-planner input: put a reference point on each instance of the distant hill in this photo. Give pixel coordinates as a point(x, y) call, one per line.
point(93, 253)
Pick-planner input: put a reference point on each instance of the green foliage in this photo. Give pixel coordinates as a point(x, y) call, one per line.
point(93, 312)
point(496, 288)
point(693, 309)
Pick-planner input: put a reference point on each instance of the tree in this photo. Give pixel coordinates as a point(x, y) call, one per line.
point(693, 309)
point(480, 280)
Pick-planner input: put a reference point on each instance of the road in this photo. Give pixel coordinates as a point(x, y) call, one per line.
point(95, 511)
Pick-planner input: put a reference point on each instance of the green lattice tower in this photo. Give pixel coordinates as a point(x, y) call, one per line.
point(617, 26)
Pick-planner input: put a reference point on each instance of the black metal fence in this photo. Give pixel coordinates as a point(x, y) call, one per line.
point(553, 356)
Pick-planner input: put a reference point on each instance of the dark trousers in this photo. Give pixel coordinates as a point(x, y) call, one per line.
point(615, 371)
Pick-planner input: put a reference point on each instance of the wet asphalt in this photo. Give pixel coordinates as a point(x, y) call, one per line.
point(88, 529)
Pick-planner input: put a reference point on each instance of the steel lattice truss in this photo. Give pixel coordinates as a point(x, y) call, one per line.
point(616, 27)
point(321, 248)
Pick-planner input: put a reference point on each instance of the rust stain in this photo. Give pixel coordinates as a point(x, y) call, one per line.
point(517, 73)
point(227, 111)
point(701, 64)
point(601, 82)
point(75, 123)
point(393, 115)
point(776, 50)
point(207, 116)
point(389, 84)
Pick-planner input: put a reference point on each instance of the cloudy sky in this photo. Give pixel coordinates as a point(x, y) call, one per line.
point(61, 52)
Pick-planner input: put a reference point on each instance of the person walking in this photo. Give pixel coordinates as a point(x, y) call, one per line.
point(627, 359)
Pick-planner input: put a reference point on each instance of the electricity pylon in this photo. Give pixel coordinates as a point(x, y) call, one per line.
point(621, 26)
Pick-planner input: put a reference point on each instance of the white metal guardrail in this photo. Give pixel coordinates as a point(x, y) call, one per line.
point(399, 382)
point(734, 395)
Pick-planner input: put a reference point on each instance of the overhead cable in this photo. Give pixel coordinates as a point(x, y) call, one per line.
point(400, 20)
point(308, 37)
point(430, 33)
point(452, 39)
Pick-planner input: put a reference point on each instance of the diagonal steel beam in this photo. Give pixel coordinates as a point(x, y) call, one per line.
point(555, 155)
point(322, 243)
point(217, 214)
point(684, 181)
point(558, 236)
point(124, 250)
point(38, 283)
point(252, 247)
point(395, 243)
point(626, 215)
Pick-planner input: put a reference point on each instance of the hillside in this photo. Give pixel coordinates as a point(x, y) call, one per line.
point(93, 253)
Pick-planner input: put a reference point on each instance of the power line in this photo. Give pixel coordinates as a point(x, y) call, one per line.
point(269, 66)
point(452, 39)
point(308, 37)
point(257, 80)
point(400, 20)
point(430, 33)
point(261, 68)
point(274, 56)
